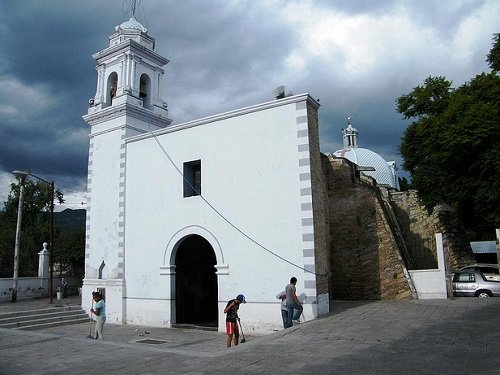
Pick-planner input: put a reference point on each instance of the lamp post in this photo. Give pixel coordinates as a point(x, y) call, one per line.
point(22, 175)
point(18, 239)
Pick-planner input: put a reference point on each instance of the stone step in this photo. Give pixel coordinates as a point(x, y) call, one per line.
point(43, 318)
point(16, 314)
point(37, 325)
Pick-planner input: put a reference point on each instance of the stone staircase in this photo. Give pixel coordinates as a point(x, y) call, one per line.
point(43, 318)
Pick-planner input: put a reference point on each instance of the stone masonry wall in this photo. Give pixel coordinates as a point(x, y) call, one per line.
point(320, 207)
point(376, 234)
point(419, 227)
point(365, 258)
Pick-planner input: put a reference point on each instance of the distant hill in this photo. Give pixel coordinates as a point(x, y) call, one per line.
point(70, 220)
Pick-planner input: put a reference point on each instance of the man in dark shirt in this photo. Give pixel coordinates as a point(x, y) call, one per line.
point(231, 319)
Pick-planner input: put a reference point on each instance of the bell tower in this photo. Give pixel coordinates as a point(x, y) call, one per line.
point(127, 102)
point(129, 73)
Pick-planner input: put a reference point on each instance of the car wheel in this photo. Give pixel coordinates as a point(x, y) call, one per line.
point(484, 294)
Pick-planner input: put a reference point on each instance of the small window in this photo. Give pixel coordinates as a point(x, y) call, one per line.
point(192, 178)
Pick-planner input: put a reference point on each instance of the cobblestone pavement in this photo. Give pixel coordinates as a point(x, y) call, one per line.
point(359, 337)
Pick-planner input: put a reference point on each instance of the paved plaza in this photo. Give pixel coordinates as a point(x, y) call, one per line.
point(359, 337)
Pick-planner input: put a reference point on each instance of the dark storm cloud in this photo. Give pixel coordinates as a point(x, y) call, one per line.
point(226, 52)
point(46, 83)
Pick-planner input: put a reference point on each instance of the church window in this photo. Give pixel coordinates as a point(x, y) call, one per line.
point(192, 178)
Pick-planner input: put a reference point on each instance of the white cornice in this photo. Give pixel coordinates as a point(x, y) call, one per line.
point(133, 46)
point(118, 127)
point(126, 109)
point(226, 115)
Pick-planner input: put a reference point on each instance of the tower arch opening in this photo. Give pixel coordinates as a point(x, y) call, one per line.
point(145, 91)
point(111, 86)
point(196, 282)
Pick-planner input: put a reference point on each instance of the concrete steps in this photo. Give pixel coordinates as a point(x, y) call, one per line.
point(43, 318)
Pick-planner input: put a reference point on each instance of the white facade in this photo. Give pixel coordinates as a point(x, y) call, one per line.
point(253, 226)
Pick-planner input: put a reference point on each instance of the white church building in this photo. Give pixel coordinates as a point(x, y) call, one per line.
point(183, 217)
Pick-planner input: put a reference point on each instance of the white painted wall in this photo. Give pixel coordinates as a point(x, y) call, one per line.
point(35, 287)
point(103, 197)
point(27, 287)
point(250, 174)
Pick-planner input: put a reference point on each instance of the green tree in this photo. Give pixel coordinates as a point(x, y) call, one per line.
point(404, 184)
point(7, 236)
point(70, 252)
point(35, 227)
point(452, 149)
point(493, 58)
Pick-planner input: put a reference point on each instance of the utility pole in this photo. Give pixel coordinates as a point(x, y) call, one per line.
point(51, 250)
point(22, 175)
point(18, 239)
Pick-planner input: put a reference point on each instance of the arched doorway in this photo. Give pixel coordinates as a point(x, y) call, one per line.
point(196, 283)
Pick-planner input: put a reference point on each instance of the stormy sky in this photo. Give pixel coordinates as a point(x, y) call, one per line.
point(355, 56)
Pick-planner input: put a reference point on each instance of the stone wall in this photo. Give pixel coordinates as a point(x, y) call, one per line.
point(366, 261)
point(378, 234)
point(320, 207)
point(419, 226)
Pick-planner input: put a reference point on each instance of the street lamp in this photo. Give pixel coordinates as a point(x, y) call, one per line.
point(22, 175)
point(18, 239)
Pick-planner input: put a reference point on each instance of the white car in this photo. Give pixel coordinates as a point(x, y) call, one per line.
point(473, 284)
point(490, 271)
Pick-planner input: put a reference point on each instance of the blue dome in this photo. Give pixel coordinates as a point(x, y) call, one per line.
point(363, 157)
